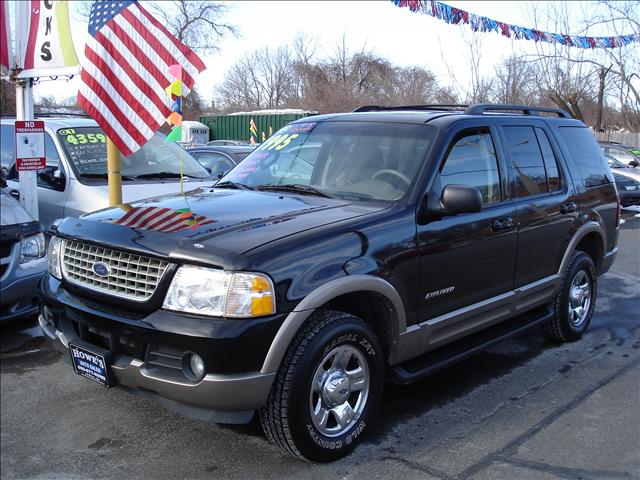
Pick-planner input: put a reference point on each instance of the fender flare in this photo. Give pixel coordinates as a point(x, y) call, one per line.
point(320, 296)
point(585, 229)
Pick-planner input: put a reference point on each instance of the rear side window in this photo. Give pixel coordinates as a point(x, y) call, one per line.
point(587, 155)
point(472, 161)
point(550, 162)
point(529, 174)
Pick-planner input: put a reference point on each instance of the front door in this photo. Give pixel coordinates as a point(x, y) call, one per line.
point(52, 181)
point(468, 258)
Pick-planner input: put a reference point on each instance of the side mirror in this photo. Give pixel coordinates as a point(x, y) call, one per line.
point(451, 200)
point(634, 163)
point(461, 199)
point(53, 177)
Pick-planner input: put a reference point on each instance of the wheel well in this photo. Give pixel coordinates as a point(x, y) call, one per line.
point(592, 245)
point(374, 309)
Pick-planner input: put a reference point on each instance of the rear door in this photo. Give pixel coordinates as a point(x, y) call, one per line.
point(467, 258)
point(543, 196)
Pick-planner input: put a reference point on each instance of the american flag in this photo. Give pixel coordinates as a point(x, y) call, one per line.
point(126, 71)
point(162, 219)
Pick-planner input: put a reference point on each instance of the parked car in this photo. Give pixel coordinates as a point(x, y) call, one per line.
point(623, 153)
point(219, 159)
point(75, 178)
point(417, 237)
point(22, 260)
point(227, 143)
point(627, 181)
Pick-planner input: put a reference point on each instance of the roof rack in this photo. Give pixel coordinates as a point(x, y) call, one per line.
point(481, 108)
point(476, 109)
point(434, 107)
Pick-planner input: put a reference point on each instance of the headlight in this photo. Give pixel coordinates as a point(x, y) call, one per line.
point(55, 253)
point(32, 248)
point(207, 291)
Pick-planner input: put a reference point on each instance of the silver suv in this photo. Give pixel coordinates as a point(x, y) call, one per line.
point(74, 181)
point(22, 260)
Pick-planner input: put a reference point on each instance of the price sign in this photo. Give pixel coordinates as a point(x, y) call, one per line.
point(30, 154)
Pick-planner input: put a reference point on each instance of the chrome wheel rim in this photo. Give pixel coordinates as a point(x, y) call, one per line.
point(339, 390)
point(579, 299)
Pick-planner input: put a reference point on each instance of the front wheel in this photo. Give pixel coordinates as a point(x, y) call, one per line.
point(327, 388)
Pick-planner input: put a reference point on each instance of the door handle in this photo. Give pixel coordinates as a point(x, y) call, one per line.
point(15, 194)
point(502, 224)
point(568, 207)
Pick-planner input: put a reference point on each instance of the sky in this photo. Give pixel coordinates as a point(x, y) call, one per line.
point(402, 37)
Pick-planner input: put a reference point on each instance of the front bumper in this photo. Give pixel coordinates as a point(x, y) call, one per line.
point(19, 298)
point(224, 395)
point(629, 197)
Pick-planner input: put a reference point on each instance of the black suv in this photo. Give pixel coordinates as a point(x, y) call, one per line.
point(403, 240)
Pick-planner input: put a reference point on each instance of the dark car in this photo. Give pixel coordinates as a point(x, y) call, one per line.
point(227, 142)
point(628, 189)
point(219, 159)
point(623, 153)
point(296, 286)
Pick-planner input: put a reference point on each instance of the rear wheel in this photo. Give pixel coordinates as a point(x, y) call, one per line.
point(575, 300)
point(327, 388)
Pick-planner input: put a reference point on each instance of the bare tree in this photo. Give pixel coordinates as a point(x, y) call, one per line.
point(478, 88)
point(7, 98)
point(515, 82)
point(197, 24)
point(264, 79)
point(574, 78)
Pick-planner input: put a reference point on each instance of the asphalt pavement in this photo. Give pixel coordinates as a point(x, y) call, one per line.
point(526, 409)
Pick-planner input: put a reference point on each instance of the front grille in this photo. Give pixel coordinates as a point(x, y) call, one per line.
point(132, 276)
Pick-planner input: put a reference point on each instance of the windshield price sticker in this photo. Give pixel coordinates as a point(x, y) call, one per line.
point(278, 142)
point(30, 151)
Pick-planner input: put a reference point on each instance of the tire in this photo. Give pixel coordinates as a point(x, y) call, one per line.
point(328, 345)
point(569, 325)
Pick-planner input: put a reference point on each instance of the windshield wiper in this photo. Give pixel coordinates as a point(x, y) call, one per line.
point(230, 184)
point(104, 175)
point(295, 188)
point(165, 175)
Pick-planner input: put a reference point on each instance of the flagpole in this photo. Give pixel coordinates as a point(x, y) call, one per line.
point(114, 177)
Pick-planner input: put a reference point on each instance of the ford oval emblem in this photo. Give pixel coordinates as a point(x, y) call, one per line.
point(101, 269)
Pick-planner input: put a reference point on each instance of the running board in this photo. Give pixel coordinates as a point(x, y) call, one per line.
point(429, 363)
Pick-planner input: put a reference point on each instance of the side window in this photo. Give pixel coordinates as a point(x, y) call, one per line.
point(472, 161)
point(587, 156)
point(7, 148)
point(550, 161)
point(53, 163)
point(527, 163)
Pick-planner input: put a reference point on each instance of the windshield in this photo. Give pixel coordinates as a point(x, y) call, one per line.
point(86, 149)
point(351, 160)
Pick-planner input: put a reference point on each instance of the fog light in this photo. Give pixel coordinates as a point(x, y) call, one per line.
point(196, 366)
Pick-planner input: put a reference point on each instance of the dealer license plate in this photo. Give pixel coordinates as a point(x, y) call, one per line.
point(89, 364)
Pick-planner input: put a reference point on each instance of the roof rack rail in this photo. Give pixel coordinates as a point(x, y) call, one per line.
point(481, 108)
point(434, 107)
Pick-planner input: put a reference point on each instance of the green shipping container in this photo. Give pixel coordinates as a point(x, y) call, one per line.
point(236, 127)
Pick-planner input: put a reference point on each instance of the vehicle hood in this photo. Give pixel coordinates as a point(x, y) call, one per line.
point(96, 197)
point(11, 212)
point(211, 226)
